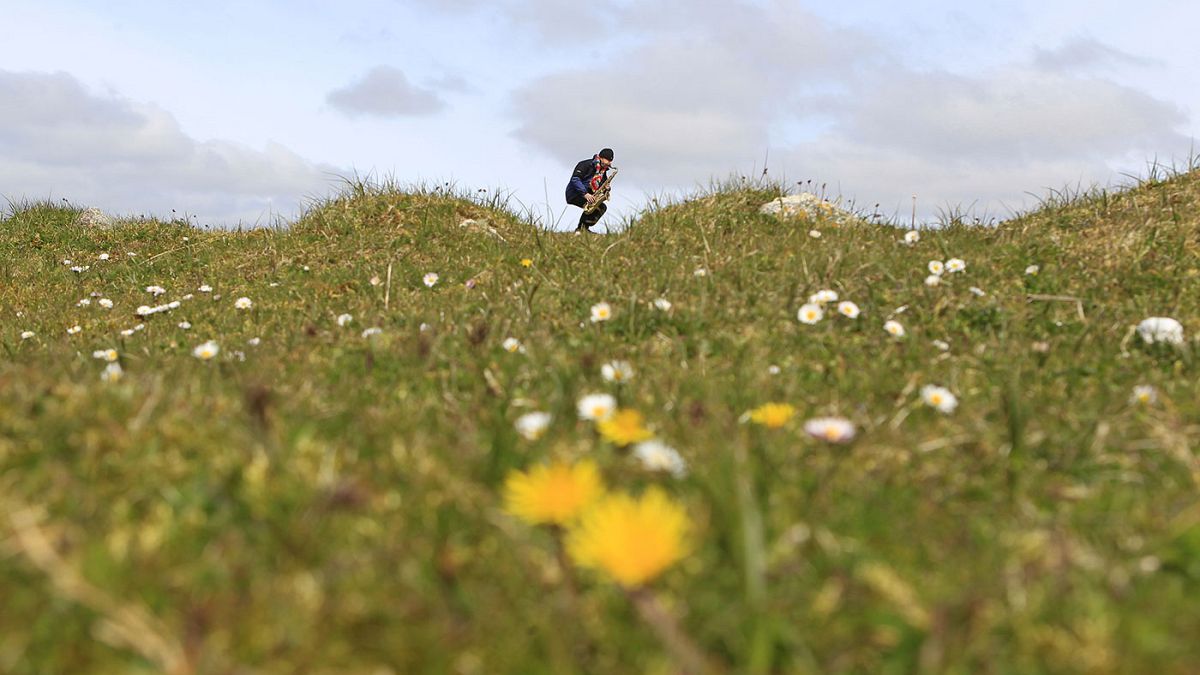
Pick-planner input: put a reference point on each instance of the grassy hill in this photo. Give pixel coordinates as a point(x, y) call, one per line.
point(313, 499)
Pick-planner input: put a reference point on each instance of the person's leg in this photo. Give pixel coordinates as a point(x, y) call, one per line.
point(580, 202)
point(590, 219)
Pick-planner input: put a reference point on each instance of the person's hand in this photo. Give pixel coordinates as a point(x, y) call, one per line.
point(589, 198)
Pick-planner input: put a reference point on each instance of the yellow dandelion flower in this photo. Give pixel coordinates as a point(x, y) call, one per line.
point(526, 262)
point(552, 494)
point(773, 415)
point(631, 540)
point(624, 427)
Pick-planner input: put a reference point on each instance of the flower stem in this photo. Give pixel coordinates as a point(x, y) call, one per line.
point(689, 657)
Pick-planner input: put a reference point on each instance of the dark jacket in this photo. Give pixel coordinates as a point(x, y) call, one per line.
point(585, 179)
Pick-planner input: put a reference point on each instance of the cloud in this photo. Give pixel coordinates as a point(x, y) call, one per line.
point(1087, 54)
point(384, 92)
point(57, 139)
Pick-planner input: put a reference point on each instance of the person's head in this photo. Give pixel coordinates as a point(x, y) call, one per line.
point(606, 157)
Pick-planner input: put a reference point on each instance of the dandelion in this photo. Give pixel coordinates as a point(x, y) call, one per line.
point(512, 345)
point(831, 429)
point(822, 297)
point(206, 351)
point(430, 279)
point(74, 330)
point(596, 407)
point(894, 329)
point(911, 237)
point(933, 280)
point(978, 292)
point(371, 332)
point(848, 309)
point(939, 397)
point(553, 494)
point(956, 265)
point(84, 302)
point(601, 311)
point(1144, 394)
point(344, 320)
point(810, 313)
point(532, 425)
point(205, 288)
point(773, 415)
point(105, 303)
point(936, 267)
point(112, 373)
point(624, 427)
point(1032, 270)
point(109, 355)
point(156, 290)
point(662, 304)
point(185, 325)
point(631, 540)
point(242, 303)
point(526, 262)
point(1160, 329)
point(658, 456)
point(617, 371)
point(25, 335)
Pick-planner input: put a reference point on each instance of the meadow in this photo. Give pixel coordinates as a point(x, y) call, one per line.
point(413, 433)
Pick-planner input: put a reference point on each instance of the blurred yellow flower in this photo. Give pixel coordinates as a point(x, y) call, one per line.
point(773, 415)
point(552, 494)
point(624, 427)
point(526, 262)
point(631, 540)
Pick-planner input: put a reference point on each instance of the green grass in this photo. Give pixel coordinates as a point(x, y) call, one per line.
point(333, 503)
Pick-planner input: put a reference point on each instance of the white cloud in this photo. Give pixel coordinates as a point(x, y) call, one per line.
point(386, 92)
point(57, 139)
point(1087, 54)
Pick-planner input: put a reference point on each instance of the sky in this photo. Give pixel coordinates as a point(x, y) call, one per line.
point(237, 113)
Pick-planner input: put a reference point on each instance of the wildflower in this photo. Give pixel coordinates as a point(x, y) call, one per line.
point(848, 309)
point(109, 355)
point(84, 302)
point(617, 371)
point(810, 313)
point(375, 280)
point(140, 326)
point(103, 256)
point(700, 272)
point(239, 355)
point(470, 283)
point(978, 292)
point(80, 269)
point(894, 329)
point(174, 304)
point(512, 345)
point(128, 332)
point(430, 279)
point(185, 325)
point(206, 351)
point(596, 407)
point(911, 237)
point(956, 265)
point(773, 369)
point(815, 234)
point(936, 267)
point(1160, 329)
point(831, 429)
point(1144, 394)
point(662, 304)
point(112, 373)
point(205, 288)
point(624, 427)
point(601, 311)
point(254, 341)
point(1032, 270)
point(155, 290)
point(942, 345)
point(823, 297)
point(371, 332)
point(25, 335)
point(243, 303)
point(933, 280)
point(532, 425)
point(144, 310)
point(74, 330)
point(939, 397)
point(66, 262)
point(658, 456)
point(773, 415)
point(105, 303)
point(631, 540)
point(188, 296)
point(526, 262)
point(344, 319)
point(552, 494)
point(130, 254)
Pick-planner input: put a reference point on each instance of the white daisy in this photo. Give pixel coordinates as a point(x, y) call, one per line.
point(105, 303)
point(977, 291)
point(254, 341)
point(774, 370)
point(174, 304)
point(103, 256)
point(894, 329)
point(80, 269)
point(140, 326)
point(658, 456)
point(941, 344)
point(1144, 394)
point(936, 267)
point(810, 313)
point(25, 335)
point(823, 297)
point(187, 296)
point(73, 330)
point(815, 234)
point(956, 265)
point(596, 407)
point(1160, 329)
point(144, 310)
point(831, 429)
point(933, 280)
point(185, 325)
point(939, 397)
point(700, 272)
point(1032, 270)
point(375, 280)
point(617, 371)
point(662, 304)
point(130, 254)
point(243, 303)
point(512, 345)
point(344, 319)
point(371, 332)
point(205, 288)
point(128, 332)
point(430, 279)
point(911, 237)
point(112, 373)
point(532, 425)
point(155, 290)
point(109, 355)
point(848, 309)
point(67, 262)
point(601, 311)
point(206, 351)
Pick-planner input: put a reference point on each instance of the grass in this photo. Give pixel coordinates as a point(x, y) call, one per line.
point(322, 502)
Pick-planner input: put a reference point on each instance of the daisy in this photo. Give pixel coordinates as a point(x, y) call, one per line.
point(109, 355)
point(624, 427)
point(105, 303)
point(658, 456)
point(532, 425)
point(933, 280)
point(155, 290)
point(128, 332)
point(942, 345)
point(553, 494)
point(629, 539)
point(1144, 394)
point(939, 397)
point(80, 269)
point(375, 280)
point(700, 272)
point(596, 407)
point(1160, 329)
point(73, 330)
point(601, 311)
point(205, 288)
point(67, 262)
point(371, 332)
point(823, 297)
point(344, 319)
point(174, 304)
point(848, 309)
point(112, 373)
point(978, 292)
point(1032, 270)
point(662, 304)
point(25, 335)
point(103, 256)
point(144, 310)
point(773, 370)
point(911, 237)
point(936, 267)
point(84, 302)
point(242, 303)
point(254, 341)
point(130, 254)
point(206, 351)
point(894, 329)
point(512, 345)
point(956, 265)
point(430, 279)
point(810, 313)
point(831, 429)
point(617, 371)
point(815, 234)
point(185, 325)
point(773, 415)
